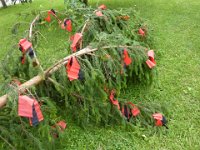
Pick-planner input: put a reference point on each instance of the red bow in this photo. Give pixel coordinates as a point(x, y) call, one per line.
point(127, 59)
point(25, 108)
point(99, 13)
point(114, 101)
point(151, 62)
point(135, 110)
point(73, 69)
point(141, 32)
point(76, 39)
point(24, 45)
point(158, 117)
point(103, 7)
point(49, 13)
point(62, 125)
point(67, 25)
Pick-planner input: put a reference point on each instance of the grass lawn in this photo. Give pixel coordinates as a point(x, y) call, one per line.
point(176, 25)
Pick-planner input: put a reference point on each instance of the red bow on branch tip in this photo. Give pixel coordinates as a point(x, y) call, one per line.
point(49, 13)
point(25, 105)
point(99, 13)
point(48, 18)
point(24, 45)
point(52, 11)
point(114, 101)
point(103, 7)
point(76, 41)
point(151, 62)
point(141, 32)
point(160, 120)
point(67, 25)
point(73, 69)
point(135, 110)
point(62, 125)
point(127, 59)
point(37, 114)
point(28, 107)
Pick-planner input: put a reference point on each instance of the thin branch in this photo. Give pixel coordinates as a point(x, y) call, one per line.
point(7, 142)
point(31, 26)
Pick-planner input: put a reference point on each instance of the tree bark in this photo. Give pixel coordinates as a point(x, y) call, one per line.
point(3, 3)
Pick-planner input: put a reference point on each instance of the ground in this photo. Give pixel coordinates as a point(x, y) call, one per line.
point(176, 43)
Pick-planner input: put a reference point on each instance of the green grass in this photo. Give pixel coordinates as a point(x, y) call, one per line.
point(176, 32)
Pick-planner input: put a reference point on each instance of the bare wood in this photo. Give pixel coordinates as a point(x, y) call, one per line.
point(31, 26)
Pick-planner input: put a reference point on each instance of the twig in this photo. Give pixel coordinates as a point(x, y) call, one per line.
point(83, 29)
point(85, 25)
point(31, 26)
point(7, 142)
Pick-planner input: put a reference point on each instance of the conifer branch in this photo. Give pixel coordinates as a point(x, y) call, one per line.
point(39, 78)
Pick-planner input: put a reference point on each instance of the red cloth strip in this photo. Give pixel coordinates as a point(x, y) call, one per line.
point(73, 69)
point(77, 38)
point(151, 62)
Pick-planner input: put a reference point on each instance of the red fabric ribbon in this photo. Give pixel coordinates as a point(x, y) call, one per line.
point(141, 32)
point(151, 62)
point(73, 69)
point(114, 101)
point(24, 45)
point(25, 104)
point(25, 108)
point(99, 13)
point(158, 117)
point(38, 112)
point(48, 18)
point(103, 7)
point(77, 38)
point(67, 25)
point(53, 13)
point(135, 110)
point(62, 125)
point(127, 59)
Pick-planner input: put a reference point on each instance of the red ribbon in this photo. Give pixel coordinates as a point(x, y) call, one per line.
point(25, 104)
point(135, 110)
point(62, 124)
point(67, 25)
point(38, 112)
point(114, 101)
point(48, 18)
point(24, 44)
point(103, 7)
point(99, 13)
point(151, 62)
point(49, 13)
point(25, 108)
point(127, 59)
point(73, 69)
point(77, 38)
point(158, 117)
point(141, 32)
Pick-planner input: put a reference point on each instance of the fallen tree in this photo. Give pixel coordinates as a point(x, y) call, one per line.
point(111, 53)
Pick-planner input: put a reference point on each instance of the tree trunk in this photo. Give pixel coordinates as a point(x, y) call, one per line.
point(3, 3)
